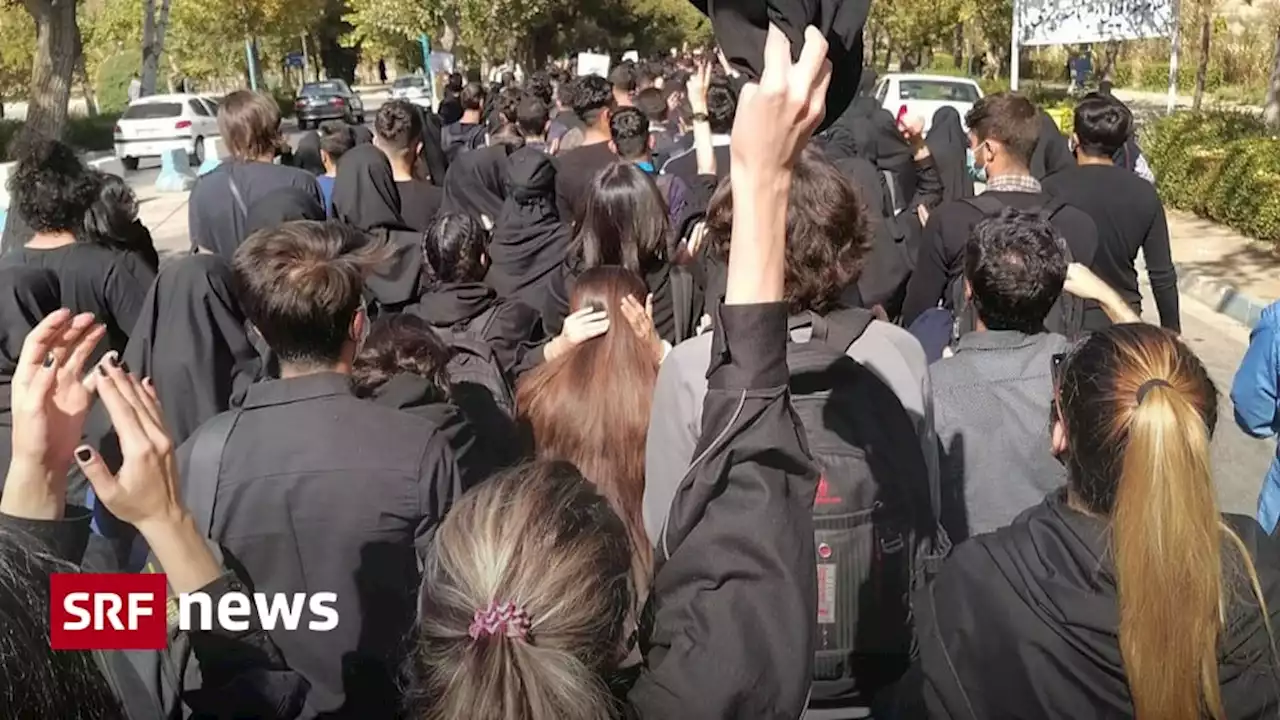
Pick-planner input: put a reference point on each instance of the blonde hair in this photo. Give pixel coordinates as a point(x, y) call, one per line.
point(541, 538)
point(1139, 410)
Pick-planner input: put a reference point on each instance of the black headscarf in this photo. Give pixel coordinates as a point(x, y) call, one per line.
point(1052, 153)
point(476, 182)
point(307, 156)
point(949, 145)
point(365, 193)
point(192, 341)
point(27, 294)
point(364, 136)
point(529, 239)
point(280, 206)
point(433, 156)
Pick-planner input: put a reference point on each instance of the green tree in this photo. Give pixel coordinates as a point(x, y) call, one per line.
point(17, 49)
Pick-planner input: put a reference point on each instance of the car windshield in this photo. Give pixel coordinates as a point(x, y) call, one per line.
point(937, 90)
point(324, 88)
point(405, 82)
point(152, 111)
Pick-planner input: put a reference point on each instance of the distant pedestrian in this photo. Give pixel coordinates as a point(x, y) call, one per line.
point(135, 88)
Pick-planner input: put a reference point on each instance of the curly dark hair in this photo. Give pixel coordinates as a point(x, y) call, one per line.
point(591, 95)
point(827, 233)
point(1016, 265)
point(540, 86)
point(400, 344)
point(51, 189)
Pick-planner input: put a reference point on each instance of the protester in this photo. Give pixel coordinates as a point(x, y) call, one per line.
point(112, 220)
point(1255, 394)
point(505, 110)
point(541, 87)
point(27, 295)
point(593, 102)
point(507, 631)
point(249, 123)
point(376, 480)
point(451, 100)
point(468, 132)
point(282, 205)
point(624, 222)
point(667, 139)
point(336, 139)
point(307, 156)
point(1125, 209)
point(530, 239)
point(632, 142)
point(399, 134)
point(949, 147)
point(475, 185)
point(1003, 129)
point(623, 79)
point(717, 104)
point(564, 118)
point(1052, 153)
point(1147, 601)
point(458, 301)
point(533, 119)
point(52, 191)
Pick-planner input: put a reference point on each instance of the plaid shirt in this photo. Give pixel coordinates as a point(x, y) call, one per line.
point(1014, 183)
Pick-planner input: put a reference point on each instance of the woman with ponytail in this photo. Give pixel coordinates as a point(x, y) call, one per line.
point(1127, 594)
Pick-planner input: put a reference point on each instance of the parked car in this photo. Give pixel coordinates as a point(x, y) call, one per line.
point(156, 123)
point(923, 95)
point(414, 88)
point(328, 100)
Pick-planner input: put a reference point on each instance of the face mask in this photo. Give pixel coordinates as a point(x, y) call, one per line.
point(977, 173)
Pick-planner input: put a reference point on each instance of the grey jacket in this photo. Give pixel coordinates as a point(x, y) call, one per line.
point(992, 401)
point(888, 350)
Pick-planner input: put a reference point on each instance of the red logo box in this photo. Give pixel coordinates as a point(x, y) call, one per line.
point(107, 611)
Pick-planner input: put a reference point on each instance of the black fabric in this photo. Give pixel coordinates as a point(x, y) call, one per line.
point(529, 237)
point(108, 282)
point(432, 156)
point(307, 155)
point(890, 260)
point(684, 165)
point(949, 147)
point(742, 25)
point(283, 205)
point(27, 294)
point(1052, 154)
point(458, 139)
point(420, 201)
point(364, 136)
point(365, 193)
point(1023, 623)
point(450, 109)
point(659, 282)
point(475, 184)
point(575, 170)
point(513, 327)
point(1129, 216)
point(216, 221)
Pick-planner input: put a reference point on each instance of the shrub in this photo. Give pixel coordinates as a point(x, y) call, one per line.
point(284, 98)
point(1221, 165)
point(82, 133)
point(114, 76)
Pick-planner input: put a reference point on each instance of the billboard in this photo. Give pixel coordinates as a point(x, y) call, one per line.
point(1062, 22)
point(593, 64)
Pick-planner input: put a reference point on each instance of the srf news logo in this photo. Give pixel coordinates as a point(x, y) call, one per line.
point(129, 611)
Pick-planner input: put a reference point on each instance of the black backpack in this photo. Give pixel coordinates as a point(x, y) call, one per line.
point(1067, 315)
point(457, 140)
point(479, 381)
point(876, 533)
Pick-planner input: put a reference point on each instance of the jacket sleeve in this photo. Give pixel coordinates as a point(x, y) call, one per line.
point(1254, 391)
point(65, 539)
point(440, 483)
point(1161, 270)
point(733, 602)
point(673, 435)
point(928, 282)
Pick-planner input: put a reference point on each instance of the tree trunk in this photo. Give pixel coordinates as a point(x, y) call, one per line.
point(1109, 61)
point(153, 33)
point(86, 87)
point(1202, 62)
point(57, 50)
point(1271, 108)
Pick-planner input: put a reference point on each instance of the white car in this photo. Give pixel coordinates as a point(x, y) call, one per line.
point(414, 88)
point(156, 123)
point(923, 95)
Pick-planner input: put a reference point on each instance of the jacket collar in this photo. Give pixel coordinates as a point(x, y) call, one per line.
point(998, 340)
point(297, 389)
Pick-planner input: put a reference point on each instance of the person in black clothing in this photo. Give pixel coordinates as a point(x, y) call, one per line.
point(949, 147)
point(451, 100)
point(475, 184)
point(280, 206)
point(667, 140)
point(317, 488)
point(249, 123)
point(632, 142)
point(505, 107)
point(1003, 130)
point(1126, 209)
point(533, 120)
point(468, 132)
point(398, 133)
point(564, 118)
point(307, 156)
point(112, 220)
point(1052, 154)
point(721, 108)
point(540, 86)
point(623, 79)
point(1127, 593)
point(243, 674)
point(52, 191)
point(529, 237)
point(593, 102)
point(559, 619)
point(457, 298)
point(27, 295)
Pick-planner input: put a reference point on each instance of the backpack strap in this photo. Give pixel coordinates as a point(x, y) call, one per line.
point(206, 467)
point(838, 330)
point(985, 204)
point(235, 193)
point(1050, 209)
point(682, 302)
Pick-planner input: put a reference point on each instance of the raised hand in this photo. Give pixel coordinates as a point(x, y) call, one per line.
point(579, 327)
point(640, 318)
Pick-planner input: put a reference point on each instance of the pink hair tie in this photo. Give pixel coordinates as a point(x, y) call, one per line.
point(500, 619)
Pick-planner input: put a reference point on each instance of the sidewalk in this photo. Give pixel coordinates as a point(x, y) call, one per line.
point(165, 215)
point(1217, 266)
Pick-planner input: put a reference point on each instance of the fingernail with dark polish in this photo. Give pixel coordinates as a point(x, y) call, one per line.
point(115, 361)
point(124, 366)
point(102, 370)
point(84, 454)
point(48, 360)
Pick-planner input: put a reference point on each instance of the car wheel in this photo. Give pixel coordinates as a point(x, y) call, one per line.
point(197, 157)
point(130, 163)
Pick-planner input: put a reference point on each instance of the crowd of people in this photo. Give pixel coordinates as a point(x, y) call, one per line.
point(681, 393)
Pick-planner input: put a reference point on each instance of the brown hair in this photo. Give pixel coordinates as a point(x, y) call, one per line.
point(1139, 410)
point(591, 406)
point(249, 123)
point(1008, 118)
point(301, 283)
point(543, 539)
point(827, 234)
point(402, 344)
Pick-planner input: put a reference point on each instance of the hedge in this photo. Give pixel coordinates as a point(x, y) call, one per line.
point(1221, 165)
point(83, 133)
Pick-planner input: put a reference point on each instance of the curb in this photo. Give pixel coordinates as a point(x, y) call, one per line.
point(1224, 298)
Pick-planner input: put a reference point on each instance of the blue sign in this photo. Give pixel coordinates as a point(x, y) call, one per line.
point(294, 59)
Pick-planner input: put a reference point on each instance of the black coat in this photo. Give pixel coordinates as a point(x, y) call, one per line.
point(514, 328)
point(1023, 623)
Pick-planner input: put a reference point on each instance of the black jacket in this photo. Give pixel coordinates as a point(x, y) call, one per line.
point(735, 586)
point(515, 327)
point(660, 283)
point(1023, 622)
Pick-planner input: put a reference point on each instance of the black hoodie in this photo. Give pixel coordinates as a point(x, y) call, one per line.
point(514, 326)
point(1024, 622)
